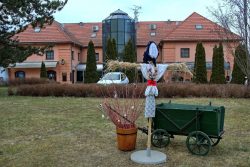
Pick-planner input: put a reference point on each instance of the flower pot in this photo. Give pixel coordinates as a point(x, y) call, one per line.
point(126, 138)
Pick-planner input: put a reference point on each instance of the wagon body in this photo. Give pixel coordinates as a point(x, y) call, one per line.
point(183, 119)
point(204, 125)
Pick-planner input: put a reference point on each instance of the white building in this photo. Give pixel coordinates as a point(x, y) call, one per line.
point(3, 75)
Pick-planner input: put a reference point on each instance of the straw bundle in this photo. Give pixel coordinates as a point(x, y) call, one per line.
point(181, 67)
point(113, 65)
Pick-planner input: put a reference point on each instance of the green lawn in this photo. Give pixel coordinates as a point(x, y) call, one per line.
point(70, 132)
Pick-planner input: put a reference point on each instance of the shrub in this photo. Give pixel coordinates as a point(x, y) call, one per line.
point(29, 81)
point(43, 71)
point(91, 75)
point(121, 91)
point(200, 70)
point(218, 72)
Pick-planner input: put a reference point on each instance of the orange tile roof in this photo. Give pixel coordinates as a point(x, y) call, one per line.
point(83, 32)
point(162, 29)
point(186, 31)
point(54, 33)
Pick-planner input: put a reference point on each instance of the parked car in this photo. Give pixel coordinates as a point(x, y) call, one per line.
point(114, 78)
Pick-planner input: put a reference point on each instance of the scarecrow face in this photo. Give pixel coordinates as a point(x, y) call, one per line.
point(152, 71)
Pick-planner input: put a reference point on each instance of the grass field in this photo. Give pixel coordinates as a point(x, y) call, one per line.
point(70, 132)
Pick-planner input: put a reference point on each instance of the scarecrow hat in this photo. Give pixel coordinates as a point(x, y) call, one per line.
point(151, 53)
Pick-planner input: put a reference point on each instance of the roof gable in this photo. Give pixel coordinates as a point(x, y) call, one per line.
point(195, 28)
point(54, 33)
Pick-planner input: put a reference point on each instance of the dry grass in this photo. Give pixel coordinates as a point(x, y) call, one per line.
point(50, 131)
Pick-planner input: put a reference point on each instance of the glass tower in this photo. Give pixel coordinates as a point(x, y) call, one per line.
point(118, 26)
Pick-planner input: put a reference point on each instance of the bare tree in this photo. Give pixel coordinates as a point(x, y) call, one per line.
point(136, 12)
point(233, 16)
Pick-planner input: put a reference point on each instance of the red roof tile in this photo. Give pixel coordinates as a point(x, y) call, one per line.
point(162, 29)
point(186, 31)
point(54, 33)
point(83, 32)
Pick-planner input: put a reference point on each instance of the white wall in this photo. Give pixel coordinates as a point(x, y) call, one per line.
point(3, 74)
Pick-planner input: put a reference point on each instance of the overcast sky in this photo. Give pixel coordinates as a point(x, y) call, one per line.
point(151, 10)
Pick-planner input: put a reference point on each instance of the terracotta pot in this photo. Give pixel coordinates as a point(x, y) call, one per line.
point(126, 138)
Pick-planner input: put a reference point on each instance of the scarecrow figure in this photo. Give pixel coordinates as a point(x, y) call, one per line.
point(152, 73)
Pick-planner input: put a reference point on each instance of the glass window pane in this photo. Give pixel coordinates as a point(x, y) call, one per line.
point(127, 37)
point(121, 25)
point(121, 39)
point(114, 36)
point(20, 74)
point(199, 27)
point(64, 76)
point(111, 76)
point(120, 48)
point(184, 52)
point(97, 56)
point(127, 26)
point(113, 25)
point(50, 55)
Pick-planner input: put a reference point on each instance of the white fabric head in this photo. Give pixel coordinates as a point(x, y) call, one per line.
point(161, 68)
point(153, 51)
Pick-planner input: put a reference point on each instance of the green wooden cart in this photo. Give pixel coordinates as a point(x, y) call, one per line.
point(203, 125)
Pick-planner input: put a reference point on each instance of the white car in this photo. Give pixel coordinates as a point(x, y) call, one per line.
point(114, 78)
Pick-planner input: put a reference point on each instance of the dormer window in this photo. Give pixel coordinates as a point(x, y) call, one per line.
point(152, 26)
point(37, 29)
point(95, 28)
point(93, 35)
point(198, 27)
point(152, 34)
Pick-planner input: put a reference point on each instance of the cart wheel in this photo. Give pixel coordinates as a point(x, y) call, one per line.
point(215, 141)
point(160, 138)
point(198, 143)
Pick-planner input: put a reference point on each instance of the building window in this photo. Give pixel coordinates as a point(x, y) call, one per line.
point(50, 55)
point(51, 75)
point(64, 76)
point(198, 27)
point(152, 26)
point(20, 74)
point(93, 35)
point(72, 55)
point(95, 28)
point(152, 34)
point(78, 56)
point(184, 52)
point(37, 29)
point(97, 56)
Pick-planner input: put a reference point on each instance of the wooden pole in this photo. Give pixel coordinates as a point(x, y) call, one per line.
point(149, 137)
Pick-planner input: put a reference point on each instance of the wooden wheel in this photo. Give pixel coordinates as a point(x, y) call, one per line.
point(160, 138)
point(198, 143)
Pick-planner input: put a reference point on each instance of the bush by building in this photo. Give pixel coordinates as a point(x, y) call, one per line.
point(218, 72)
point(200, 71)
point(165, 90)
point(238, 77)
point(43, 71)
point(130, 56)
point(91, 75)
